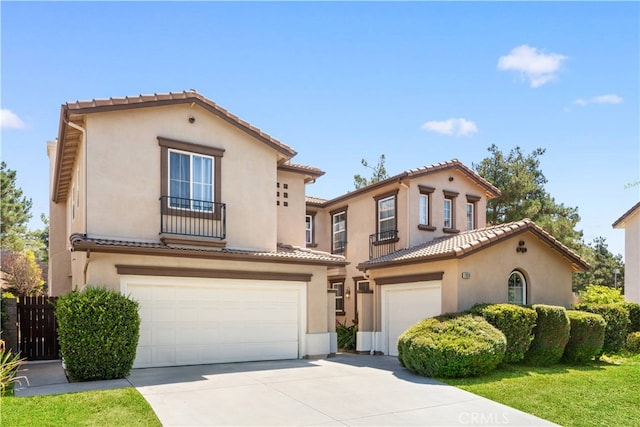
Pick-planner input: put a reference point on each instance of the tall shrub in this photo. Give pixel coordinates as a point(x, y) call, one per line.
point(617, 318)
point(586, 336)
point(634, 316)
point(598, 294)
point(551, 335)
point(515, 322)
point(98, 331)
point(451, 346)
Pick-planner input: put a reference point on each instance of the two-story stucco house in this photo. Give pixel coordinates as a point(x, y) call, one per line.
point(418, 246)
point(203, 219)
point(630, 222)
point(199, 216)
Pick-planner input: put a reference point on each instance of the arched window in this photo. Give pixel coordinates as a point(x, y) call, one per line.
point(517, 288)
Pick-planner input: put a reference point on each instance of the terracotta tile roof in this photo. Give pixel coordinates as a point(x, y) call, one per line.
point(467, 242)
point(621, 221)
point(69, 137)
point(156, 99)
point(284, 253)
point(317, 201)
point(490, 189)
point(310, 171)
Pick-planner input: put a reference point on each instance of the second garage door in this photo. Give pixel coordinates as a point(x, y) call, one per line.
point(186, 321)
point(405, 304)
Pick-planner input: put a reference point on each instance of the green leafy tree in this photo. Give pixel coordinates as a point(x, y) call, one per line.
point(15, 210)
point(603, 267)
point(379, 173)
point(22, 274)
point(522, 184)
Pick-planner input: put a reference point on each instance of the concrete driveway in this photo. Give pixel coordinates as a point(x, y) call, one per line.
point(344, 390)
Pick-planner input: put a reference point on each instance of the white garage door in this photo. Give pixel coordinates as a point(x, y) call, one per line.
point(186, 321)
point(405, 304)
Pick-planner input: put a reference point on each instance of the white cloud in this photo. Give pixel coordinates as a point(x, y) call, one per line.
point(10, 120)
point(457, 127)
point(538, 67)
point(600, 99)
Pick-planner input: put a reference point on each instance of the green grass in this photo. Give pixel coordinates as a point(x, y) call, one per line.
point(118, 407)
point(604, 393)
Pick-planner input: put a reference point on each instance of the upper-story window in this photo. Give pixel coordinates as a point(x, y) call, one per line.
point(339, 231)
point(472, 221)
point(309, 228)
point(386, 214)
point(190, 181)
point(424, 208)
point(190, 176)
point(449, 225)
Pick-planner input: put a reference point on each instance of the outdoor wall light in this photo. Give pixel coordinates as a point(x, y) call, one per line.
point(348, 293)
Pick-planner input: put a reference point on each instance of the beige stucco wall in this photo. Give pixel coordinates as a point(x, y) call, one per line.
point(632, 258)
point(291, 216)
point(101, 270)
point(59, 256)
point(440, 181)
point(361, 222)
point(123, 156)
point(548, 274)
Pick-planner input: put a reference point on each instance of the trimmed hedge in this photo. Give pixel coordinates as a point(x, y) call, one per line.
point(617, 318)
point(515, 322)
point(586, 336)
point(451, 345)
point(634, 315)
point(551, 335)
point(633, 342)
point(98, 331)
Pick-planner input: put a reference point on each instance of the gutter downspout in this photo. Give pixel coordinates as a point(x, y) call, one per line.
point(86, 213)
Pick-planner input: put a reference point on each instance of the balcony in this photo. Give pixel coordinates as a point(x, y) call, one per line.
point(383, 243)
point(193, 220)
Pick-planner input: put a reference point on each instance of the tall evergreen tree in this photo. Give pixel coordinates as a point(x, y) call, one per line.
point(521, 181)
point(15, 209)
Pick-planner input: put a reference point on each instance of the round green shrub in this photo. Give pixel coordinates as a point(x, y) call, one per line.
point(98, 331)
point(551, 335)
point(633, 342)
point(634, 315)
point(599, 294)
point(617, 318)
point(451, 346)
point(515, 322)
point(585, 338)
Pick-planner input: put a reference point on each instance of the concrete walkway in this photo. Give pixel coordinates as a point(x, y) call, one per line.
point(344, 390)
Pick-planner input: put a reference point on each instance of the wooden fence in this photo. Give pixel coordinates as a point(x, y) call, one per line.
point(37, 328)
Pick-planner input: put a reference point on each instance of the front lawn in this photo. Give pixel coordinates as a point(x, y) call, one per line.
point(604, 393)
point(120, 407)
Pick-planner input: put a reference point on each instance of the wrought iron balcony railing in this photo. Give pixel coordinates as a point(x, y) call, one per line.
point(191, 217)
point(383, 243)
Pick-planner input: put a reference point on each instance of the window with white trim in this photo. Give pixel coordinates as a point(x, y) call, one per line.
point(471, 216)
point(191, 181)
point(517, 288)
point(339, 232)
point(339, 288)
point(448, 214)
point(387, 218)
point(308, 228)
point(424, 208)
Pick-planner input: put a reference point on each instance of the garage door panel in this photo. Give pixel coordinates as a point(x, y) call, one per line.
point(215, 321)
point(407, 304)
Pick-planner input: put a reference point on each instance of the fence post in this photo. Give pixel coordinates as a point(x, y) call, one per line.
point(10, 324)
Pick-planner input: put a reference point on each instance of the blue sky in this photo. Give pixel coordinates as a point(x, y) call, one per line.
point(421, 82)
